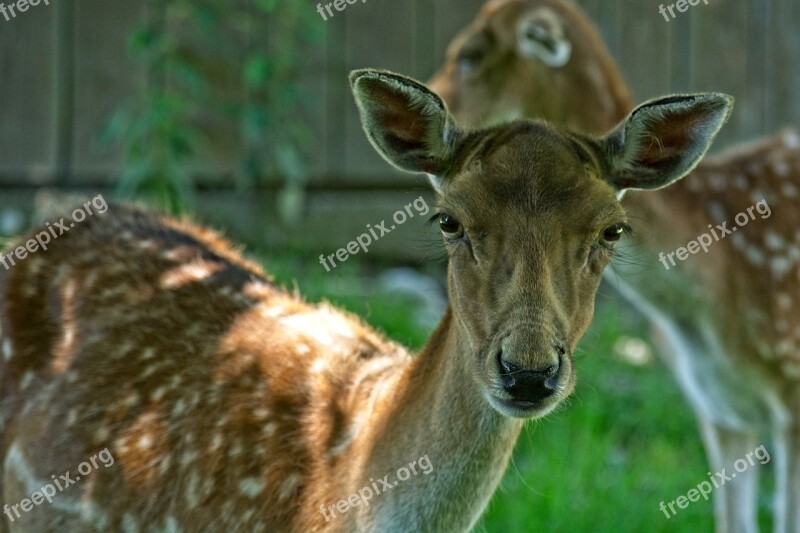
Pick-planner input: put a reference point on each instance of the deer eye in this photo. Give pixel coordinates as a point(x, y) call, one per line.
point(451, 227)
point(473, 53)
point(468, 60)
point(614, 233)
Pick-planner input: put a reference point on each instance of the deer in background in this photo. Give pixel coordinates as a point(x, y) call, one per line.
point(725, 320)
point(229, 403)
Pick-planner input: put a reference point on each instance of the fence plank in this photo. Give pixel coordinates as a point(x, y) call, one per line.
point(104, 77)
point(607, 15)
point(645, 61)
point(720, 61)
point(376, 35)
point(27, 104)
point(783, 75)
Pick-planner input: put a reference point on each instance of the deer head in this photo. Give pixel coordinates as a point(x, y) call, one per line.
point(532, 58)
point(530, 217)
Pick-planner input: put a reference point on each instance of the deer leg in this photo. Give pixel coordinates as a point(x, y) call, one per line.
point(735, 500)
point(787, 477)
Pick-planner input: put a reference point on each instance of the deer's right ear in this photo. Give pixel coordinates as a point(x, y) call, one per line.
point(405, 122)
point(663, 140)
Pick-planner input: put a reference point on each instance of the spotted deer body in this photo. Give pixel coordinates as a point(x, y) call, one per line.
point(228, 403)
point(725, 320)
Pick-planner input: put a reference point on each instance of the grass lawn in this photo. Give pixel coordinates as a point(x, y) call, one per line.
point(624, 442)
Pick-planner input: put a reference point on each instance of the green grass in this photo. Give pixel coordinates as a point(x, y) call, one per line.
point(624, 442)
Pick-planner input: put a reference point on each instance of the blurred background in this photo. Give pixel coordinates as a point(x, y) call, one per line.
point(238, 113)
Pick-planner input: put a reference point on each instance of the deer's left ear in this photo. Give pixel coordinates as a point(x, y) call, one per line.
point(663, 140)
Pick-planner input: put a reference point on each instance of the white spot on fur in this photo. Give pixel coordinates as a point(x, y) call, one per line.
point(319, 365)
point(326, 326)
point(26, 379)
point(773, 241)
point(251, 487)
point(757, 195)
point(129, 524)
point(781, 168)
point(289, 486)
point(8, 352)
point(145, 442)
point(755, 256)
point(785, 347)
point(273, 312)
point(189, 457)
point(780, 267)
point(236, 449)
point(179, 408)
point(132, 400)
point(792, 370)
point(716, 211)
point(717, 182)
point(185, 274)
point(102, 433)
point(193, 491)
point(270, 429)
point(261, 414)
point(171, 525)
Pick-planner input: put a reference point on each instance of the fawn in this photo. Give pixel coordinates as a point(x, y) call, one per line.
point(227, 402)
point(724, 318)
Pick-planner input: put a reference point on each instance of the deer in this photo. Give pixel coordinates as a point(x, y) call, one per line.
point(224, 401)
point(723, 320)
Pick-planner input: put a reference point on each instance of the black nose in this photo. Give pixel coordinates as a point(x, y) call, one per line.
point(527, 385)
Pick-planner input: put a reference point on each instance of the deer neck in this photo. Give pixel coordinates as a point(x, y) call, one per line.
point(433, 408)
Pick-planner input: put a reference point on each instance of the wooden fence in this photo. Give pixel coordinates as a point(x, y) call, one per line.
point(65, 68)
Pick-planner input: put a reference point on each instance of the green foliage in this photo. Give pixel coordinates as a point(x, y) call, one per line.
point(212, 65)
